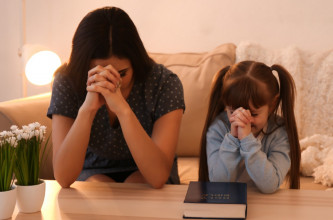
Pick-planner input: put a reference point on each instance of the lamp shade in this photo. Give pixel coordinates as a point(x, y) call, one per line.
point(40, 67)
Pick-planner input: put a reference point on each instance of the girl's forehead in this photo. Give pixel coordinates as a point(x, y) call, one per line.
point(252, 108)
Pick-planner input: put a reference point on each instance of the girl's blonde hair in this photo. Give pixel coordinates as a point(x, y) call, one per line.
point(254, 82)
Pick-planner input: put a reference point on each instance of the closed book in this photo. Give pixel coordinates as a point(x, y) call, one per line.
point(215, 200)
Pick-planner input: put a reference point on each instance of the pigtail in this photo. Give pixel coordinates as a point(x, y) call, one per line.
point(214, 108)
point(287, 97)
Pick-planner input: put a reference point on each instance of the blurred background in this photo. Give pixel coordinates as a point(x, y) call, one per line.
point(166, 26)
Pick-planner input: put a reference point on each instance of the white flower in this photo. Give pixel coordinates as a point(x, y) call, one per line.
point(9, 134)
point(18, 132)
point(34, 125)
point(25, 136)
point(36, 133)
point(13, 127)
point(26, 129)
point(12, 141)
point(3, 134)
point(42, 128)
point(42, 131)
point(31, 134)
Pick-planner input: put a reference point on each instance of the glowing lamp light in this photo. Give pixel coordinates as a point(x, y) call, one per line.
point(41, 66)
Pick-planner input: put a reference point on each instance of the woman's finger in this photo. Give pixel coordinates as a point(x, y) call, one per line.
point(113, 71)
point(109, 73)
point(106, 85)
point(95, 78)
point(110, 77)
point(95, 70)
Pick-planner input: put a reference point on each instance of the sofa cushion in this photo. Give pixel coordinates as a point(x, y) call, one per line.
point(25, 111)
point(196, 71)
point(313, 75)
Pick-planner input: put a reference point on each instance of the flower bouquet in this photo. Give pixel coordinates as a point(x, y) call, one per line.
point(30, 155)
point(7, 160)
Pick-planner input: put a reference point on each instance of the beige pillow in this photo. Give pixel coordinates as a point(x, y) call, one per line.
point(24, 111)
point(196, 71)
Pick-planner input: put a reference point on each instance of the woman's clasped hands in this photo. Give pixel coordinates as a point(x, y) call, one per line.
point(104, 85)
point(241, 120)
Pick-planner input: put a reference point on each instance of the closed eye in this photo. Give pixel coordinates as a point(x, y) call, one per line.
point(123, 72)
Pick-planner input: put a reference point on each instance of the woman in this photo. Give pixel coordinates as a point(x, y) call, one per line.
point(115, 113)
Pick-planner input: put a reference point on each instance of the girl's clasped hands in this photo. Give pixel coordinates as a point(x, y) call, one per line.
point(241, 121)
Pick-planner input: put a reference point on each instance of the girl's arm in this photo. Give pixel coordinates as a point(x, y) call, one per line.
point(267, 170)
point(223, 154)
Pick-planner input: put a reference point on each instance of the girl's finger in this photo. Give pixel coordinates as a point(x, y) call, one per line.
point(240, 116)
point(239, 124)
point(237, 111)
point(244, 115)
point(247, 114)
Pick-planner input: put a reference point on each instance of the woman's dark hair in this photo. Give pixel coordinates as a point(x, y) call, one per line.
point(253, 82)
point(103, 33)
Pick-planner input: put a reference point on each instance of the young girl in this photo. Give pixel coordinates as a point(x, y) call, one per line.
point(244, 138)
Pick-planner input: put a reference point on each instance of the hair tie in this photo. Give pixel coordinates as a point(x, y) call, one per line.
point(276, 75)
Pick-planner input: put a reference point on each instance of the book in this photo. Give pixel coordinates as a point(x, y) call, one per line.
point(215, 200)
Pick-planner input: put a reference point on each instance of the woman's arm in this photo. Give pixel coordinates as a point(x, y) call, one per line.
point(70, 140)
point(154, 155)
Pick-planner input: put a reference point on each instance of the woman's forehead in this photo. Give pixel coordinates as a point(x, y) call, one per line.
point(118, 63)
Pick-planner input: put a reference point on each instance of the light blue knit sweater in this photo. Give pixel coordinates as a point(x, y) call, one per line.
point(264, 163)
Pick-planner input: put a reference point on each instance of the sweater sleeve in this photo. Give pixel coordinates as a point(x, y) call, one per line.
point(223, 154)
point(267, 170)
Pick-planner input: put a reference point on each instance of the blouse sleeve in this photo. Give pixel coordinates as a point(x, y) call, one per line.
point(171, 96)
point(63, 100)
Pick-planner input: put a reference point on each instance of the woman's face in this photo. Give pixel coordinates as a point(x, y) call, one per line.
point(122, 65)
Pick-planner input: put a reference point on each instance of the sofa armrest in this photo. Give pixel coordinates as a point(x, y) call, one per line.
point(25, 111)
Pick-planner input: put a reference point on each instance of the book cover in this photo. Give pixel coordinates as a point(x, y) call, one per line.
point(215, 200)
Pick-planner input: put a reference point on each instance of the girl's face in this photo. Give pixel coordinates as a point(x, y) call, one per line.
point(259, 115)
point(123, 66)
